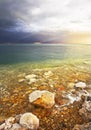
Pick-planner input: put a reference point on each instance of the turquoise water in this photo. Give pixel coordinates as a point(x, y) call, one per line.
point(29, 53)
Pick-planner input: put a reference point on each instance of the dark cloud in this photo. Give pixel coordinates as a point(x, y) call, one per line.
point(25, 20)
point(29, 37)
point(14, 11)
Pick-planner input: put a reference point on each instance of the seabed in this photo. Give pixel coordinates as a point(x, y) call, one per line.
point(62, 77)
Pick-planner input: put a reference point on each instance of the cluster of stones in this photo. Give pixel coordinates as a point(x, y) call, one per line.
point(46, 99)
point(21, 122)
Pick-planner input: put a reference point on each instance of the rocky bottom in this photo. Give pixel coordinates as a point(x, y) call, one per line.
point(57, 98)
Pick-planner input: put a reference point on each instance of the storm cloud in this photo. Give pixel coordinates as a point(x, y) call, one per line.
point(42, 20)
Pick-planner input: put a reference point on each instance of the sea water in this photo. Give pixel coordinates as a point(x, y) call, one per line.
point(39, 53)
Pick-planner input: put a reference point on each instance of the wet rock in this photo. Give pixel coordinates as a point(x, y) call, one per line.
point(42, 98)
point(28, 77)
point(80, 85)
point(8, 124)
point(48, 74)
point(31, 78)
point(21, 80)
point(72, 98)
point(87, 105)
point(88, 98)
point(29, 121)
point(16, 126)
point(86, 126)
point(86, 110)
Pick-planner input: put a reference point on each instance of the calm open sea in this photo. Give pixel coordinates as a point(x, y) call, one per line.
point(25, 53)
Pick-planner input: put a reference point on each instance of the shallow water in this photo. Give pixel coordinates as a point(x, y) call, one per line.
point(68, 63)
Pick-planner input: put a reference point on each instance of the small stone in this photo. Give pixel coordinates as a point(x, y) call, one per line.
point(31, 78)
point(80, 85)
point(65, 108)
point(48, 74)
point(21, 80)
point(28, 77)
point(29, 121)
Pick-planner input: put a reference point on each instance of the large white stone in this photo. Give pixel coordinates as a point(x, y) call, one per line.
point(29, 121)
point(42, 98)
point(35, 95)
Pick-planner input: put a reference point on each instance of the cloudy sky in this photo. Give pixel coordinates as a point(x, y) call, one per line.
point(42, 20)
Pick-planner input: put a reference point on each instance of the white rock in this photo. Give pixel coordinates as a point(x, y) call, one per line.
point(2, 126)
point(32, 80)
point(87, 105)
point(72, 98)
point(15, 126)
point(21, 80)
point(35, 95)
point(48, 74)
point(8, 124)
point(29, 121)
point(42, 98)
point(28, 77)
point(80, 85)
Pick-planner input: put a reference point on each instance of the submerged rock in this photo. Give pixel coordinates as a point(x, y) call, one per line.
point(86, 126)
point(86, 109)
point(28, 77)
point(29, 121)
point(8, 124)
point(16, 126)
point(87, 105)
point(48, 74)
point(80, 85)
point(31, 78)
point(42, 98)
point(21, 80)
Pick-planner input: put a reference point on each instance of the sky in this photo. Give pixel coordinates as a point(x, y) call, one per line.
point(43, 20)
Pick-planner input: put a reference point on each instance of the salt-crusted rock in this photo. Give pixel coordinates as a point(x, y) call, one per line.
point(8, 124)
point(87, 105)
point(31, 78)
point(80, 85)
point(86, 126)
point(42, 98)
point(48, 74)
point(2, 126)
point(86, 108)
point(29, 121)
point(16, 126)
point(28, 77)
